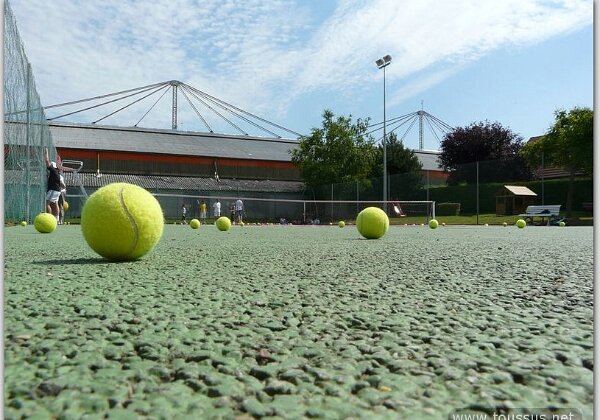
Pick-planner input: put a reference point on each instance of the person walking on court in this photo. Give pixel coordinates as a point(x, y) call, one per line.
point(232, 212)
point(217, 209)
point(239, 210)
point(203, 212)
point(61, 199)
point(183, 214)
point(53, 187)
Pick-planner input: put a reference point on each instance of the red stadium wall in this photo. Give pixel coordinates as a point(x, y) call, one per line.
point(154, 164)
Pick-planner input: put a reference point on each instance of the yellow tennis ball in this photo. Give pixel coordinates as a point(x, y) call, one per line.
point(433, 224)
point(341, 223)
point(504, 224)
point(23, 223)
point(561, 224)
point(521, 223)
point(65, 206)
point(223, 223)
point(45, 223)
point(194, 223)
point(372, 223)
point(122, 221)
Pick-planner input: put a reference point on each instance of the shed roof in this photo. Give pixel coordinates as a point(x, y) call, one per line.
point(428, 159)
point(520, 190)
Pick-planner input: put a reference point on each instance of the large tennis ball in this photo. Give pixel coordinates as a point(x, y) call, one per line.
point(372, 223)
point(122, 221)
point(223, 223)
point(433, 224)
point(45, 223)
point(65, 206)
point(194, 223)
point(521, 223)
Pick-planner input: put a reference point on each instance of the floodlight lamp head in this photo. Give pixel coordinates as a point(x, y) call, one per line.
point(379, 63)
point(387, 58)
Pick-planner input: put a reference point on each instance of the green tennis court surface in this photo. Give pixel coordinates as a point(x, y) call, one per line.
point(300, 322)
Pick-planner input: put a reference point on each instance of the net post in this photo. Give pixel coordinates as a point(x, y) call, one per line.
point(304, 212)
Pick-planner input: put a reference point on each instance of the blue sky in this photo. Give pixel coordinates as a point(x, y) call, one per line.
point(510, 61)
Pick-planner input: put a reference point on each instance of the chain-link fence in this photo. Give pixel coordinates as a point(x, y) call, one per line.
point(26, 133)
point(476, 188)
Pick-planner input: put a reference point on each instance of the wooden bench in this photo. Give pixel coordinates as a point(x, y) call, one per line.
point(545, 214)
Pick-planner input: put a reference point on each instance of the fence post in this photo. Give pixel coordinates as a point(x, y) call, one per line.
point(28, 147)
point(542, 177)
point(427, 185)
point(477, 187)
point(357, 197)
point(331, 218)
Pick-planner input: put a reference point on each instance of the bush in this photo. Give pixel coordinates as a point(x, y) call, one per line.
point(447, 209)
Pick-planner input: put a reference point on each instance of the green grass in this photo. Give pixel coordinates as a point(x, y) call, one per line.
point(579, 219)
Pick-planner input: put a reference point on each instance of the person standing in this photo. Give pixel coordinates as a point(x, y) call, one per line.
point(203, 212)
point(53, 186)
point(61, 199)
point(217, 209)
point(183, 214)
point(239, 210)
point(232, 212)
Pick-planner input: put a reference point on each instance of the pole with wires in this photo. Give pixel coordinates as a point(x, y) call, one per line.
point(382, 63)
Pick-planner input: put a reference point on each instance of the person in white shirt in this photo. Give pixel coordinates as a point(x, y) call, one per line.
point(61, 199)
point(217, 209)
point(239, 210)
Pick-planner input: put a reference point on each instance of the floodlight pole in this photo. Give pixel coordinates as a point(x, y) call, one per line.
point(382, 63)
point(175, 84)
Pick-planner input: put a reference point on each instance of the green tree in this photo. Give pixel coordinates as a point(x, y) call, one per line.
point(482, 142)
point(568, 144)
point(403, 167)
point(338, 152)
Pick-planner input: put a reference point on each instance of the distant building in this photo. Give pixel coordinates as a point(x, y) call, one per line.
point(549, 172)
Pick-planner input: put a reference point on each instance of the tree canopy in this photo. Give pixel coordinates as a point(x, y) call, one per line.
point(568, 144)
point(339, 151)
point(481, 142)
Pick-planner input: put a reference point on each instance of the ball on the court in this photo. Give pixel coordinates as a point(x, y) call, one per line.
point(443, 223)
point(242, 224)
point(433, 224)
point(194, 223)
point(372, 223)
point(341, 223)
point(561, 224)
point(521, 223)
point(223, 223)
point(65, 206)
point(122, 221)
point(45, 223)
point(504, 224)
point(23, 223)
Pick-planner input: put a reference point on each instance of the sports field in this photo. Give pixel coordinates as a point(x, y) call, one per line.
point(300, 322)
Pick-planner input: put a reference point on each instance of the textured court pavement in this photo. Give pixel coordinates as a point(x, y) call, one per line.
point(297, 322)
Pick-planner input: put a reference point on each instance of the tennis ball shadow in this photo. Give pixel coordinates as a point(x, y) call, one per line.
point(80, 261)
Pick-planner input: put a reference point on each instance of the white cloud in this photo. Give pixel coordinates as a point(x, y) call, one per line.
point(263, 55)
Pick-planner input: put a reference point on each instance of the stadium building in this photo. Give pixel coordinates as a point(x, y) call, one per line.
point(183, 166)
